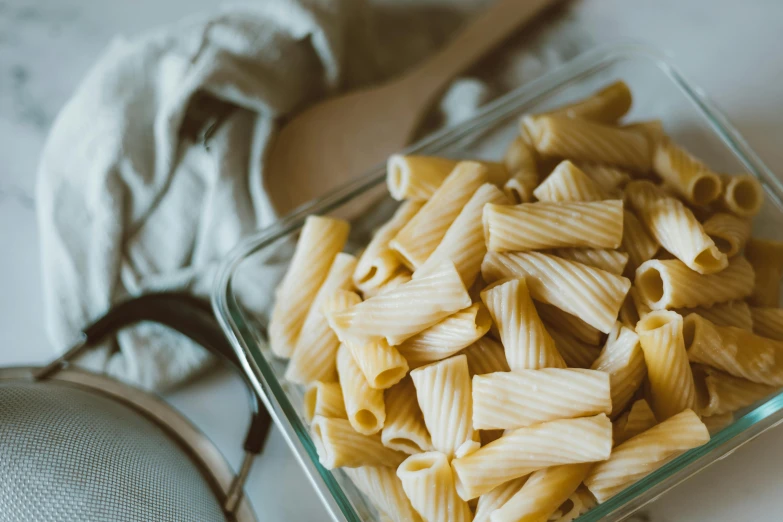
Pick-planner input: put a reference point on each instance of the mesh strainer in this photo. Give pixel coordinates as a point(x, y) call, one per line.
point(76, 446)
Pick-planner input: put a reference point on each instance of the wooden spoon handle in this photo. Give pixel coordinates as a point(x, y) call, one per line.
point(490, 28)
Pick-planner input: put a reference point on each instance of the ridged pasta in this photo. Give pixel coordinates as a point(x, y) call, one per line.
point(495, 499)
point(637, 242)
point(464, 243)
point(444, 396)
point(623, 359)
point(401, 313)
point(519, 187)
point(542, 494)
point(583, 140)
point(400, 277)
point(384, 489)
point(324, 399)
point(378, 263)
point(509, 400)
point(729, 232)
point(593, 295)
point(612, 261)
point(734, 350)
point(628, 315)
point(526, 342)
point(580, 502)
point(314, 356)
point(767, 322)
point(642, 308)
point(688, 176)
point(320, 240)
point(741, 195)
point(610, 180)
point(447, 337)
point(339, 445)
point(636, 420)
point(716, 423)
point(671, 381)
point(766, 257)
point(416, 178)
point(646, 452)
point(364, 405)
point(726, 393)
point(486, 356)
point(675, 227)
point(652, 129)
point(520, 161)
point(429, 484)
point(404, 429)
point(606, 105)
point(575, 353)
point(671, 284)
point(568, 183)
point(538, 226)
point(525, 450)
point(421, 235)
point(733, 313)
point(562, 321)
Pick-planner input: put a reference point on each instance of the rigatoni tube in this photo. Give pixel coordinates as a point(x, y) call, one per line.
point(429, 484)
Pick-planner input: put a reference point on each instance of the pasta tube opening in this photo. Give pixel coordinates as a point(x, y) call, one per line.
point(711, 259)
point(367, 420)
point(705, 189)
point(420, 462)
point(689, 330)
point(650, 283)
point(743, 195)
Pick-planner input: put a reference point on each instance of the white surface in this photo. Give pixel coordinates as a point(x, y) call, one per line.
point(727, 47)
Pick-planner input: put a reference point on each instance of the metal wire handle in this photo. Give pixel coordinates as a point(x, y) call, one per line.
point(193, 318)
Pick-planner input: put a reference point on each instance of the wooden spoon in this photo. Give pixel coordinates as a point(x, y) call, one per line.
point(340, 138)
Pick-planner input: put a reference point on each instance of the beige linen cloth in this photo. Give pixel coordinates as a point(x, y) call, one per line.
point(130, 200)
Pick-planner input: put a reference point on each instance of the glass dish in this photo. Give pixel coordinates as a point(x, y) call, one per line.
point(245, 285)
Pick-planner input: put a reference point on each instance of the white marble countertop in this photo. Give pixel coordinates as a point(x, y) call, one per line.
point(729, 48)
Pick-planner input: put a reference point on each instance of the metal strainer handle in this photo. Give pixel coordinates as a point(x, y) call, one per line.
point(193, 318)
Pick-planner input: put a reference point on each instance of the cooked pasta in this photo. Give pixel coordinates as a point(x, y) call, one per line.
point(384, 488)
point(400, 277)
point(671, 382)
point(652, 129)
point(443, 393)
point(628, 315)
point(623, 360)
point(378, 263)
point(568, 183)
point(447, 337)
point(564, 322)
point(509, 400)
point(734, 350)
point(526, 342)
point(671, 284)
point(401, 313)
point(486, 356)
point(416, 178)
point(314, 356)
point(495, 499)
point(606, 105)
point(584, 140)
point(364, 405)
point(642, 308)
point(742, 195)
point(519, 187)
point(429, 484)
point(464, 243)
point(520, 161)
point(726, 393)
point(716, 423)
point(729, 232)
point(320, 240)
point(404, 429)
point(542, 494)
point(675, 227)
point(525, 450)
point(324, 399)
point(339, 445)
point(637, 242)
point(537, 226)
point(421, 235)
point(612, 261)
point(638, 419)
point(646, 452)
point(593, 295)
point(580, 502)
point(688, 176)
point(610, 180)
point(732, 313)
point(575, 353)
point(766, 257)
point(767, 322)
